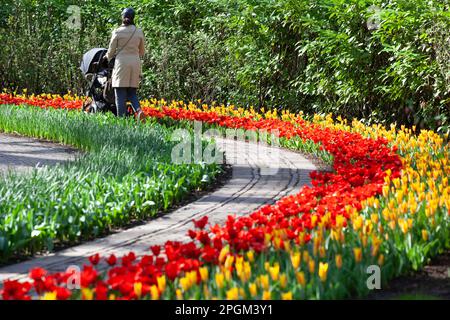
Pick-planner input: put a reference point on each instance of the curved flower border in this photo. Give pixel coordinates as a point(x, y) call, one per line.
point(385, 204)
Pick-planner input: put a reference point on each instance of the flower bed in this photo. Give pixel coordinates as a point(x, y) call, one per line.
point(386, 204)
point(120, 178)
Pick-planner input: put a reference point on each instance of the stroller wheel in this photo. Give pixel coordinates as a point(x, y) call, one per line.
point(89, 106)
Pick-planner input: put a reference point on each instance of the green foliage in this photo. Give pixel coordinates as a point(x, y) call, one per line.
point(382, 61)
point(125, 172)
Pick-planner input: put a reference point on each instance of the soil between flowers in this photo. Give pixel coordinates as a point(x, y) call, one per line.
point(431, 283)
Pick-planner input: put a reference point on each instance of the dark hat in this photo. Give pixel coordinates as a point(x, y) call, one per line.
point(128, 13)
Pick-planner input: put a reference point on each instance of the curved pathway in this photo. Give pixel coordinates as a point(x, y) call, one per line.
point(20, 154)
point(261, 176)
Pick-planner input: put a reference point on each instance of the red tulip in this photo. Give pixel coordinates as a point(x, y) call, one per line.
point(128, 259)
point(63, 293)
point(101, 291)
point(201, 223)
point(37, 273)
point(94, 259)
point(88, 276)
point(192, 234)
point(172, 269)
point(112, 260)
point(14, 290)
point(156, 250)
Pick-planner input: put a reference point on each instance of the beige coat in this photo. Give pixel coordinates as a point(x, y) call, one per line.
point(127, 69)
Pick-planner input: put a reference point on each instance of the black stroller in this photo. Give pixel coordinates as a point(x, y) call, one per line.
point(98, 71)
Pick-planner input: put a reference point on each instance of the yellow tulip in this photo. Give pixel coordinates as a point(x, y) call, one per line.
point(220, 280)
point(283, 281)
point(301, 238)
point(392, 225)
point(161, 283)
point(340, 220)
point(185, 283)
point(301, 278)
point(385, 191)
point(368, 227)
point(138, 289)
point(52, 296)
point(295, 260)
point(338, 261)
point(267, 238)
point(312, 266)
point(247, 273)
point(233, 294)
point(286, 296)
point(264, 279)
point(87, 294)
point(403, 224)
point(250, 256)
point(358, 254)
point(323, 271)
point(229, 261)
point(364, 240)
point(381, 260)
point(206, 292)
point(314, 219)
point(204, 273)
point(223, 253)
point(305, 256)
point(287, 246)
point(335, 235)
point(322, 252)
point(274, 272)
point(375, 248)
point(154, 292)
point(253, 289)
point(358, 223)
point(267, 295)
point(193, 277)
point(425, 235)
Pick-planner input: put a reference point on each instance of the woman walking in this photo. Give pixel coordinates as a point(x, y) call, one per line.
point(127, 46)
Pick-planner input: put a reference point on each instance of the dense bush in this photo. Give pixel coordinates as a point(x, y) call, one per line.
point(372, 59)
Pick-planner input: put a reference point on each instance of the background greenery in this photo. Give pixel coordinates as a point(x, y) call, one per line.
point(312, 55)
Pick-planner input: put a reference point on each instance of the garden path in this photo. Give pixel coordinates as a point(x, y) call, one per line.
point(21, 154)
